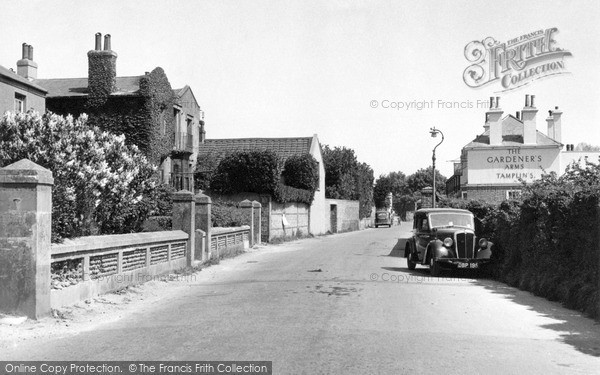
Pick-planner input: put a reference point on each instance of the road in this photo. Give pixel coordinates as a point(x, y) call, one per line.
point(341, 304)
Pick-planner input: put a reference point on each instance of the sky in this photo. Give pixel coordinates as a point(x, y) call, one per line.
point(298, 68)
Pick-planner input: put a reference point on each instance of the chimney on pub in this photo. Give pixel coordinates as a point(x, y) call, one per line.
point(102, 70)
point(528, 115)
point(26, 67)
point(494, 121)
point(557, 122)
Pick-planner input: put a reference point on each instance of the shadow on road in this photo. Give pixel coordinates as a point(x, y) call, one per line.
point(575, 329)
point(398, 249)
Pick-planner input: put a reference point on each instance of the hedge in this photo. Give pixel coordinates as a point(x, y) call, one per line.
point(547, 241)
point(261, 172)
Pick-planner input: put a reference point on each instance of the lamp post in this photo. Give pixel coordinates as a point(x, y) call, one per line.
point(434, 132)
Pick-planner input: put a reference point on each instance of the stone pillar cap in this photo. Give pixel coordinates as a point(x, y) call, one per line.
point(183, 196)
point(26, 172)
point(245, 203)
point(256, 204)
point(202, 198)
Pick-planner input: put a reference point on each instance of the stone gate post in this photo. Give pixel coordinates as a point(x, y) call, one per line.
point(248, 218)
point(257, 221)
point(184, 219)
point(204, 222)
point(25, 231)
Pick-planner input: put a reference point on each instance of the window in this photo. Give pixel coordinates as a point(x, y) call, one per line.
point(19, 103)
point(513, 194)
point(463, 194)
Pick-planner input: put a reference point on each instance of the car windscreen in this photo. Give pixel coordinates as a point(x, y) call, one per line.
point(451, 219)
point(382, 215)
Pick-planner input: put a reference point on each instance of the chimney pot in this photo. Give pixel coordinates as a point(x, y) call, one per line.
point(556, 107)
point(550, 113)
point(98, 42)
point(25, 51)
point(532, 101)
point(491, 102)
point(30, 55)
point(518, 115)
point(497, 101)
point(107, 42)
point(527, 100)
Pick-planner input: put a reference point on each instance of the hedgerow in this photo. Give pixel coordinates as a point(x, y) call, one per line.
point(260, 172)
point(547, 241)
point(226, 213)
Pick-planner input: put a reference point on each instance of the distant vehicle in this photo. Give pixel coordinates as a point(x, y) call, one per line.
point(383, 218)
point(445, 238)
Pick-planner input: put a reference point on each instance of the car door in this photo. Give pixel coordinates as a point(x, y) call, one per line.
point(423, 236)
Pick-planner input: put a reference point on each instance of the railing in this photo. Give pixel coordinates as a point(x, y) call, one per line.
point(229, 241)
point(88, 266)
point(184, 141)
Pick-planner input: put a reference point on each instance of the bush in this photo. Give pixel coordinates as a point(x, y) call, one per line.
point(302, 172)
point(260, 172)
point(547, 242)
point(99, 181)
point(226, 214)
point(250, 171)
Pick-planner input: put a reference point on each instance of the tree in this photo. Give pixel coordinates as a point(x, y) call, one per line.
point(339, 164)
point(582, 146)
point(393, 182)
point(101, 184)
point(364, 189)
point(346, 178)
point(423, 178)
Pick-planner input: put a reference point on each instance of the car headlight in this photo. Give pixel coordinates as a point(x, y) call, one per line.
point(448, 242)
point(483, 243)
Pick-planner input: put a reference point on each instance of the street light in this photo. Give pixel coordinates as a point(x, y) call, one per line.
point(434, 132)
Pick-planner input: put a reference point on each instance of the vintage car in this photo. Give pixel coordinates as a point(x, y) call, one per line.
point(445, 238)
point(383, 218)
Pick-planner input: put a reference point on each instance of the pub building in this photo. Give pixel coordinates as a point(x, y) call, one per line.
point(509, 151)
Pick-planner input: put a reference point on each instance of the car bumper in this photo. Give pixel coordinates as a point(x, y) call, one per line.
point(463, 263)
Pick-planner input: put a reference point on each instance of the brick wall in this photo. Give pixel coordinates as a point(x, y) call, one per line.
point(492, 194)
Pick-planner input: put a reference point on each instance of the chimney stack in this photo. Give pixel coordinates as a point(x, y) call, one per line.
point(528, 115)
point(26, 67)
point(557, 116)
point(102, 71)
point(494, 121)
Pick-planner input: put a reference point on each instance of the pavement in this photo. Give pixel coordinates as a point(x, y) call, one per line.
point(336, 304)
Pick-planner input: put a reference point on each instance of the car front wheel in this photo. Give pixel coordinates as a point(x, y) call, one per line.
point(411, 264)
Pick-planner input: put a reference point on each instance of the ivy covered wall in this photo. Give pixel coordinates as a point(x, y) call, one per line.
point(146, 117)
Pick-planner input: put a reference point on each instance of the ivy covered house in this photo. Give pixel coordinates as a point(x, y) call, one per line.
point(145, 108)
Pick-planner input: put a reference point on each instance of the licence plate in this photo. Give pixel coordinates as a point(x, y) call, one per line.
point(467, 265)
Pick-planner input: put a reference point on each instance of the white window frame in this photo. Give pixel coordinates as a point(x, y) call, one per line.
point(19, 103)
point(463, 195)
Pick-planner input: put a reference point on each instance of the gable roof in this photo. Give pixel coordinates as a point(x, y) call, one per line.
point(512, 135)
point(217, 149)
point(179, 93)
point(60, 87)
point(14, 77)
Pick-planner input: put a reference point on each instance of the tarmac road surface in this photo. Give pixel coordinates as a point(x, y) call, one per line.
point(341, 304)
